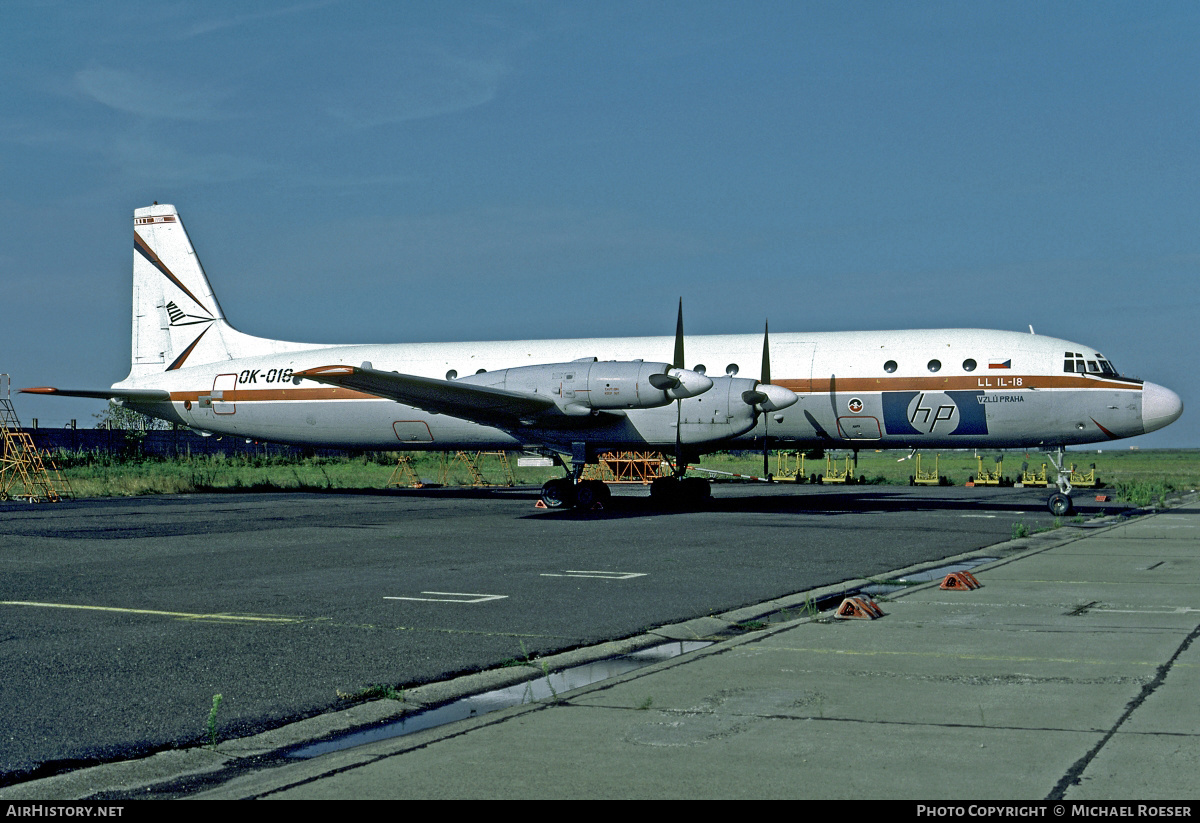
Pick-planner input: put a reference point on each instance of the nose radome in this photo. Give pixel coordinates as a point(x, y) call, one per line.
point(1160, 406)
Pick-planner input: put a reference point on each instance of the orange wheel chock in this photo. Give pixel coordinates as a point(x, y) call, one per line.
point(860, 608)
point(960, 580)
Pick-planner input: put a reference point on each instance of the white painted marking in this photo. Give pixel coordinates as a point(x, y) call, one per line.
point(244, 618)
point(601, 574)
point(984, 516)
point(454, 597)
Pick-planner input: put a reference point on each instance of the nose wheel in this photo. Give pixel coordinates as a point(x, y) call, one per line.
point(1060, 502)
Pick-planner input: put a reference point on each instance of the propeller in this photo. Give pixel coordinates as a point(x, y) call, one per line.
point(678, 363)
point(766, 398)
point(680, 382)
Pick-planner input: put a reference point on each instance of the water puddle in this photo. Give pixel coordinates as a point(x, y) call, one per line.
point(926, 576)
point(542, 688)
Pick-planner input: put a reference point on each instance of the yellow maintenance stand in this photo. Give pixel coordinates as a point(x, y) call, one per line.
point(24, 471)
point(404, 474)
point(1032, 478)
point(923, 478)
point(836, 475)
point(987, 478)
point(789, 465)
point(1084, 481)
point(471, 461)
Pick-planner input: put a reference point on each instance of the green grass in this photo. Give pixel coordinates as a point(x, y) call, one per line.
point(1140, 477)
point(92, 475)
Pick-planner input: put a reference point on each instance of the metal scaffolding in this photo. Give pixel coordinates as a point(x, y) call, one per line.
point(25, 472)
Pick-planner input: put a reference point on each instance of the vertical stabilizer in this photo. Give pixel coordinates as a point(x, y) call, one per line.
point(176, 317)
point(177, 321)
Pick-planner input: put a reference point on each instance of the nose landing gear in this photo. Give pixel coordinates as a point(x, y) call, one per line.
point(1060, 503)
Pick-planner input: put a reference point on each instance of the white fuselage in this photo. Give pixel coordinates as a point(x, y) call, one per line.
point(940, 388)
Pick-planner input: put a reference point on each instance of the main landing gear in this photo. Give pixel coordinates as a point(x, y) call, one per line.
point(563, 491)
point(668, 492)
point(673, 492)
point(1060, 503)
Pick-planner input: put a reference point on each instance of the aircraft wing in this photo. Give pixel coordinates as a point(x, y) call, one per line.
point(480, 404)
point(132, 395)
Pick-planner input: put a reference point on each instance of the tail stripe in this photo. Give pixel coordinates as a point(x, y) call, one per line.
point(140, 246)
point(178, 361)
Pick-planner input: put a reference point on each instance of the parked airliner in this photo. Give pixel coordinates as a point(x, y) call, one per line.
point(575, 399)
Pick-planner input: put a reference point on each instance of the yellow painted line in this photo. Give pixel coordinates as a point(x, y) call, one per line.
point(237, 618)
point(250, 618)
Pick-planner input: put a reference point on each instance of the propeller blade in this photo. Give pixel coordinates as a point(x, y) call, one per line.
point(766, 363)
point(679, 364)
point(762, 403)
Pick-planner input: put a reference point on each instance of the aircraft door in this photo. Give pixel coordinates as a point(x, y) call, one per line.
point(412, 431)
point(223, 393)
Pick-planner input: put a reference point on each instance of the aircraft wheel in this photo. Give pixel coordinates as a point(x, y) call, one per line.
point(590, 492)
point(696, 490)
point(665, 491)
point(1060, 504)
point(557, 493)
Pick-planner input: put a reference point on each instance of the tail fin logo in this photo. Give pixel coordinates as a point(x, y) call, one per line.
point(180, 318)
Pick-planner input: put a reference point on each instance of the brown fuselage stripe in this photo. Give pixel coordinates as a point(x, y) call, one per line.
point(991, 381)
point(823, 386)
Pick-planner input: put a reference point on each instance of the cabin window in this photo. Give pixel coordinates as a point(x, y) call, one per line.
point(481, 371)
point(890, 366)
point(969, 365)
point(452, 374)
point(699, 368)
point(935, 365)
point(731, 369)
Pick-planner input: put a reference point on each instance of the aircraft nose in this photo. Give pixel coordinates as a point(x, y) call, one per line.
point(1160, 406)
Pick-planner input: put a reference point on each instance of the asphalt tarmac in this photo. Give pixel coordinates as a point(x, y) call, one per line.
point(123, 618)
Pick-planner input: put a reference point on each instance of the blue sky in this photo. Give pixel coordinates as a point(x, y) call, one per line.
point(357, 171)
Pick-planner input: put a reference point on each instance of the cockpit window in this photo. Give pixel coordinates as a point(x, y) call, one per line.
point(1074, 363)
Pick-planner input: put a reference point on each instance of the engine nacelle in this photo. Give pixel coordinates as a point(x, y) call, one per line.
point(583, 386)
point(729, 409)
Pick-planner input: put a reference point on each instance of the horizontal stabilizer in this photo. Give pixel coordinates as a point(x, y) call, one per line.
point(481, 404)
point(132, 395)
